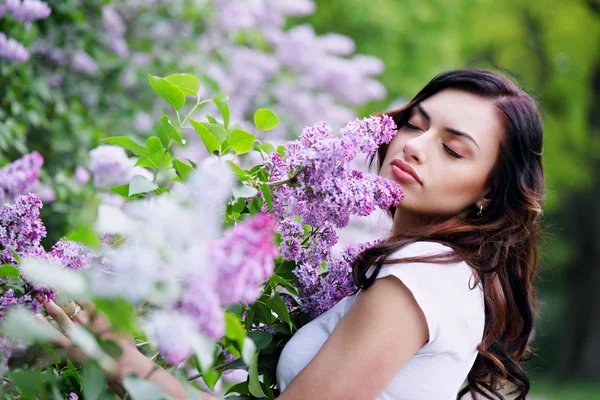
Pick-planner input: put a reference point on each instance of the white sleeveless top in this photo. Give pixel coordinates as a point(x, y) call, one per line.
point(455, 317)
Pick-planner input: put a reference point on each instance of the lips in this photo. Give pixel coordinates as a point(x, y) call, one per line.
point(407, 168)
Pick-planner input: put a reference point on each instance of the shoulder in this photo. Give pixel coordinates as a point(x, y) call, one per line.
point(443, 291)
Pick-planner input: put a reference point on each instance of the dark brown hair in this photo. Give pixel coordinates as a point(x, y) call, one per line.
point(502, 244)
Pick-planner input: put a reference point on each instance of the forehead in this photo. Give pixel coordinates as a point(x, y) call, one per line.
point(466, 112)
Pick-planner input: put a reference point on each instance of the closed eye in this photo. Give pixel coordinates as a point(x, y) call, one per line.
point(411, 126)
point(452, 153)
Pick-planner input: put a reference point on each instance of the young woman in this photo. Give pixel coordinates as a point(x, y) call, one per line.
point(448, 298)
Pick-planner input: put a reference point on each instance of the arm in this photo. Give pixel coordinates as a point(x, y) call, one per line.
point(131, 361)
point(380, 332)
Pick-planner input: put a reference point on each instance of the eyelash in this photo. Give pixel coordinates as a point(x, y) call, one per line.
point(448, 150)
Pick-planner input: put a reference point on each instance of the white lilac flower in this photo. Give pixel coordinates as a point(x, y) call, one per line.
point(110, 166)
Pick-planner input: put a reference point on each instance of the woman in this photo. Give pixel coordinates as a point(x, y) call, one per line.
point(449, 296)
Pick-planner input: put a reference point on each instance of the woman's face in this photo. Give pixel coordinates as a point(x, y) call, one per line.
point(435, 135)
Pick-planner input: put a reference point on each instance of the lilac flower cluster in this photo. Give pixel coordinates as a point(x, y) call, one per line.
point(316, 191)
point(26, 10)
point(21, 231)
point(20, 176)
point(323, 188)
point(320, 292)
point(21, 228)
point(12, 50)
point(182, 262)
point(111, 167)
point(245, 258)
point(114, 30)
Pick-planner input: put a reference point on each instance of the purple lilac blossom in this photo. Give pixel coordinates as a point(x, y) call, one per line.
point(202, 303)
point(70, 255)
point(245, 258)
point(321, 194)
point(319, 293)
point(12, 50)
point(82, 62)
point(21, 228)
point(81, 176)
point(327, 189)
point(72, 396)
point(28, 10)
point(172, 333)
point(110, 166)
point(20, 176)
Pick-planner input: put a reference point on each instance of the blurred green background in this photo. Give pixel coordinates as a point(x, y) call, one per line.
point(552, 50)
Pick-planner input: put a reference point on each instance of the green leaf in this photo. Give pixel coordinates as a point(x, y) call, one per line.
point(255, 205)
point(221, 101)
point(9, 271)
point(168, 91)
point(171, 130)
point(266, 191)
point(241, 174)
point(244, 191)
point(278, 306)
point(141, 184)
point(183, 170)
point(127, 144)
point(154, 144)
point(239, 205)
point(155, 160)
point(240, 141)
point(111, 348)
point(263, 312)
point(254, 383)
point(139, 389)
point(93, 381)
point(234, 330)
point(240, 388)
point(122, 190)
point(267, 147)
point(209, 140)
point(187, 83)
point(277, 280)
point(217, 130)
point(85, 234)
point(29, 382)
point(261, 339)
point(210, 377)
point(119, 312)
point(265, 119)
point(281, 150)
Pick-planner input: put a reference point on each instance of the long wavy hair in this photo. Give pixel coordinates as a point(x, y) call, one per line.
point(501, 245)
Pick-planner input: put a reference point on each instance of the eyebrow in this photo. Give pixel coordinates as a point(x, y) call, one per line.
point(450, 130)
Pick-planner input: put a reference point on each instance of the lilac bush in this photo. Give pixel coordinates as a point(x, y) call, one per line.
point(211, 262)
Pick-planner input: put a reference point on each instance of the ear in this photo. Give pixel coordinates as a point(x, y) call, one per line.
point(487, 197)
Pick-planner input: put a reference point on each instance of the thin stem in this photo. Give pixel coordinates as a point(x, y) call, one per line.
point(162, 158)
point(220, 366)
point(285, 181)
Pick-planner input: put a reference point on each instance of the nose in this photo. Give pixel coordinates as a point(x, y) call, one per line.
point(415, 148)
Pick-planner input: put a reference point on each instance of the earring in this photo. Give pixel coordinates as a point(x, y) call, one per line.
point(480, 213)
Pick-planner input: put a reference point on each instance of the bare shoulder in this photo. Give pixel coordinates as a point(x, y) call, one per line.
point(380, 332)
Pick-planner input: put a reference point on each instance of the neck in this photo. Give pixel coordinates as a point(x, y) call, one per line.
point(410, 224)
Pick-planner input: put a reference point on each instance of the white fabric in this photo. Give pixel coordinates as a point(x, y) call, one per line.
point(455, 317)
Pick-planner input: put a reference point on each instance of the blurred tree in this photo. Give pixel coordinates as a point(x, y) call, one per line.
point(551, 49)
